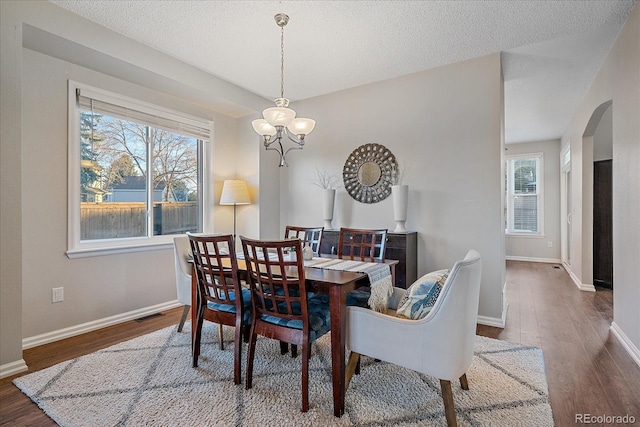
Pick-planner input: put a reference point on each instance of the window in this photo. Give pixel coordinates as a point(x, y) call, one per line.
point(135, 173)
point(524, 195)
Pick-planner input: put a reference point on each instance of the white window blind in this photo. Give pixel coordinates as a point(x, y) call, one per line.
point(523, 199)
point(144, 114)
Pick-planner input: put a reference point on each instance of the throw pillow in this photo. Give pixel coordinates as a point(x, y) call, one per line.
point(422, 295)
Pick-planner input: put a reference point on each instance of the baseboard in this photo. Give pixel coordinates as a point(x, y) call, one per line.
point(96, 324)
point(531, 259)
point(494, 321)
point(582, 286)
point(633, 351)
point(491, 321)
point(13, 368)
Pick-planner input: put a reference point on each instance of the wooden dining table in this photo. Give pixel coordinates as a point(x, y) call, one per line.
point(336, 284)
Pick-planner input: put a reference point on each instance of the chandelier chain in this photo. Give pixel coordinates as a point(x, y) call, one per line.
point(282, 62)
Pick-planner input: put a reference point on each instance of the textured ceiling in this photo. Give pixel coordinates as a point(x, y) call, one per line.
point(552, 49)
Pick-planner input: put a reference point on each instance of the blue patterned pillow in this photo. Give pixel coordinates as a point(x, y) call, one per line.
point(422, 295)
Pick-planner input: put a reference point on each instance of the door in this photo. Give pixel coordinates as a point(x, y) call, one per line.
point(566, 216)
point(602, 224)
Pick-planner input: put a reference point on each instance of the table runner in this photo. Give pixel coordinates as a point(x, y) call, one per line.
point(379, 277)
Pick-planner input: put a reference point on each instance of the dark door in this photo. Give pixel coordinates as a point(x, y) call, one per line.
point(602, 224)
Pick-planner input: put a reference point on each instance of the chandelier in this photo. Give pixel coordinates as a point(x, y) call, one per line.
point(281, 120)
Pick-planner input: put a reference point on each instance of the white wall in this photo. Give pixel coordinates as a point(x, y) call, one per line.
point(445, 124)
point(617, 81)
point(603, 137)
point(62, 46)
point(536, 248)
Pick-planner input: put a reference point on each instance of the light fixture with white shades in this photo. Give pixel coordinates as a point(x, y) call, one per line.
point(280, 119)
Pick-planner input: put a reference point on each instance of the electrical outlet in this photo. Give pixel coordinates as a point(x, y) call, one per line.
point(549, 244)
point(57, 294)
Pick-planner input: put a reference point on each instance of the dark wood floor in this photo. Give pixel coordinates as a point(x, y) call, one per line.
point(588, 371)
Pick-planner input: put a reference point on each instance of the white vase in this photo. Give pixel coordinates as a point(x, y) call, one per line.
point(400, 196)
point(328, 200)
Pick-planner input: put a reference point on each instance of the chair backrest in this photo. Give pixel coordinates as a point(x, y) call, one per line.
point(181, 251)
point(455, 314)
point(277, 283)
point(312, 236)
point(216, 269)
point(362, 244)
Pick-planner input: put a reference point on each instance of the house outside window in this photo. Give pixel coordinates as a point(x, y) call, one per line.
point(524, 195)
point(135, 173)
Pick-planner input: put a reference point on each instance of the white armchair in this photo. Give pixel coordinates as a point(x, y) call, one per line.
point(181, 250)
point(440, 345)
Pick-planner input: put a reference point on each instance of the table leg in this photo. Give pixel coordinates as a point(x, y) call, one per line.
point(338, 307)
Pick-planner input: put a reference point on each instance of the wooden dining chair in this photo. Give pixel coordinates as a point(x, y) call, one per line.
point(312, 236)
point(282, 309)
point(220, 295)
point(362, 244)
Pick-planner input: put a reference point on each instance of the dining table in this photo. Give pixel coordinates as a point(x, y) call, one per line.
point(336, 284)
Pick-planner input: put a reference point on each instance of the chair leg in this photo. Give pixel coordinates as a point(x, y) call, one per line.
point(463, 382)
point(305, 376)
point(185, 311)
point(237, 353)
point(354, 360)
point(250, 355)
point(220, 336)
point(196, 340)
point(294, 350)
point(447, 398)
point(357, 367)
point(284, 347)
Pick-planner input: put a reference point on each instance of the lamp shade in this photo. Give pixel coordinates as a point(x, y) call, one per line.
point(301, 126)
point(262, 127)
point(235, 192)
point(279, 116)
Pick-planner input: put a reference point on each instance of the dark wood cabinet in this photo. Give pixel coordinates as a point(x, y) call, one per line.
point(400, 246)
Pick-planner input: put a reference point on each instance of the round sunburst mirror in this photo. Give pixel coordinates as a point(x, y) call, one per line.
point(368, 173)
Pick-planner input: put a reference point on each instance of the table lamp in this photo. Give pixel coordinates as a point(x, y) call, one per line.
point(234, 192)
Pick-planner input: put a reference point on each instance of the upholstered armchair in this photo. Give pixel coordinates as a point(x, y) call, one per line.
point(439, 345)
point(181, 251)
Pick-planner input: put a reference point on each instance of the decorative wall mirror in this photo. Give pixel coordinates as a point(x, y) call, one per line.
point(368, 173)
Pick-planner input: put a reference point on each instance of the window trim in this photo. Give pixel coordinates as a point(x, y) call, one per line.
point(80, 249)
point(539, 191)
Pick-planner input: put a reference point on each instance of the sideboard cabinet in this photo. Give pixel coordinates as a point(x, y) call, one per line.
point(400, 246)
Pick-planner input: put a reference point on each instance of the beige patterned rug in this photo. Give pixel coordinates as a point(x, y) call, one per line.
point(149, 381)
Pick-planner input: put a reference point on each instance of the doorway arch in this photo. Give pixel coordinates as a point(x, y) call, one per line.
point(586, 231)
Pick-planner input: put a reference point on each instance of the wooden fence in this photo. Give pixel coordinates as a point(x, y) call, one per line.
point(128, 219)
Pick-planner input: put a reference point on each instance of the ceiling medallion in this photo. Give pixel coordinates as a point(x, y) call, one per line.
point(368, 173)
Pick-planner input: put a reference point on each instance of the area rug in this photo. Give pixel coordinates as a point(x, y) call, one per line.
point(149, 381)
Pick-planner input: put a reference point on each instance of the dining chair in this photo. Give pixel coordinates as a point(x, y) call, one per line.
point(362, 244)
point(438, 345)
point(282, 308)
point(312, 236)
point(222, 299)
point(181, 254)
